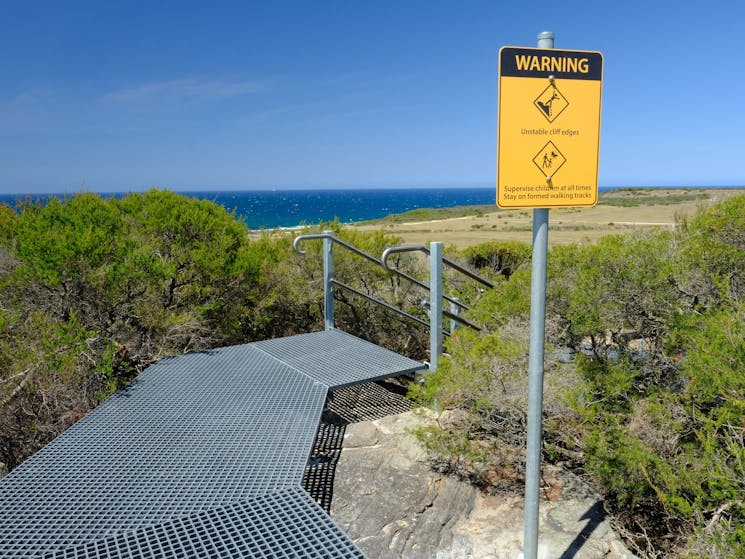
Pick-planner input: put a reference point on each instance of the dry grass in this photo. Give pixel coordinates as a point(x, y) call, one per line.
point(571, 225)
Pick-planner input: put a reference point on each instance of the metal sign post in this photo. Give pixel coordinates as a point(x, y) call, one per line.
point(548, 151)
point(535, 366)
point(548, 147)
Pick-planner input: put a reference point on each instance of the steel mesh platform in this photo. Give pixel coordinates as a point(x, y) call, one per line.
point(202, 456)
point(338, 359)
point(282, 525)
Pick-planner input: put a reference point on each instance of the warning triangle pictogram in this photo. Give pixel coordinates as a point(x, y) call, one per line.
point(551, 102)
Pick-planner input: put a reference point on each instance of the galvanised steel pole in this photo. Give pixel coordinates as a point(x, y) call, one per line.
point(535, 365)
point(328, 276)
point(435, 304)
point(454, 309)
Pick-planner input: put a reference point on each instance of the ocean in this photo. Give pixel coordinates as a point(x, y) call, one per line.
point(268, 209)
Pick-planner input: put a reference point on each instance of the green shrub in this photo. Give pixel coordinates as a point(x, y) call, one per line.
point(503, 258)
point(712, 253)
point(96, 289)
point(652, 407)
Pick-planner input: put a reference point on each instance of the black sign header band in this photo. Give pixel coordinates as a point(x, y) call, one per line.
point(523, 62)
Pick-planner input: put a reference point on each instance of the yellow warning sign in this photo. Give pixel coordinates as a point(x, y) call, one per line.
point(549, 128)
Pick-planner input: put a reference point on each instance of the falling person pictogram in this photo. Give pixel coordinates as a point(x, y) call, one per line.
point(546, 106)
point(551, 103)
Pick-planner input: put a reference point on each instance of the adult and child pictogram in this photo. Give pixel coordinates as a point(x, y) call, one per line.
point(549, 160)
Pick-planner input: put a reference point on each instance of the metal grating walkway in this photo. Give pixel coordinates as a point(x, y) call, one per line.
point(202, 456)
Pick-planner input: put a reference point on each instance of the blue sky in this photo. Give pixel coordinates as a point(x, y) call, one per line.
point(118, 96)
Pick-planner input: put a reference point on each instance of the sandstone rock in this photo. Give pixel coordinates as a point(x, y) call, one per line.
point(395, 507)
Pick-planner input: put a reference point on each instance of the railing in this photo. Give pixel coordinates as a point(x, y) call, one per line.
point(435, 287)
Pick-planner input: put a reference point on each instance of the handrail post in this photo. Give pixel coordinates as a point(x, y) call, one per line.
point(454, 309)
point(328, 276)
point(435, 304)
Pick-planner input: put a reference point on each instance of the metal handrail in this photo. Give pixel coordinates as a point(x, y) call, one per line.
point(460, 320)
point(383, 263)
point(424, 248)
point(457, 318)
point(382, 303)
point(296, 246)
point(379, 262)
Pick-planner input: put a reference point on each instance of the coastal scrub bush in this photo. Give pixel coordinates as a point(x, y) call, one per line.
point(503, 258)
point(188, 272)
point(95, 289)
point(612, 292)
point(712, 254)
point(675, 455)
point(478, 390)
point(45, 380)
point(157, 272)
point(645, 391)
point(637, 334)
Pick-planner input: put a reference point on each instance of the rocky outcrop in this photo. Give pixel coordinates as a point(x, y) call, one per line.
point(395, 507)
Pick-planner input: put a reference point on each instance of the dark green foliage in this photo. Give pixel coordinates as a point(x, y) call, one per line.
point(503, 258)
point(617, 290)
point(94, 290)
point(153, 270)
point(652, 407)
point(713, 251)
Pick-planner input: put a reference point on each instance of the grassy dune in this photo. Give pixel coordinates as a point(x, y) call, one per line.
point(618, 211)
